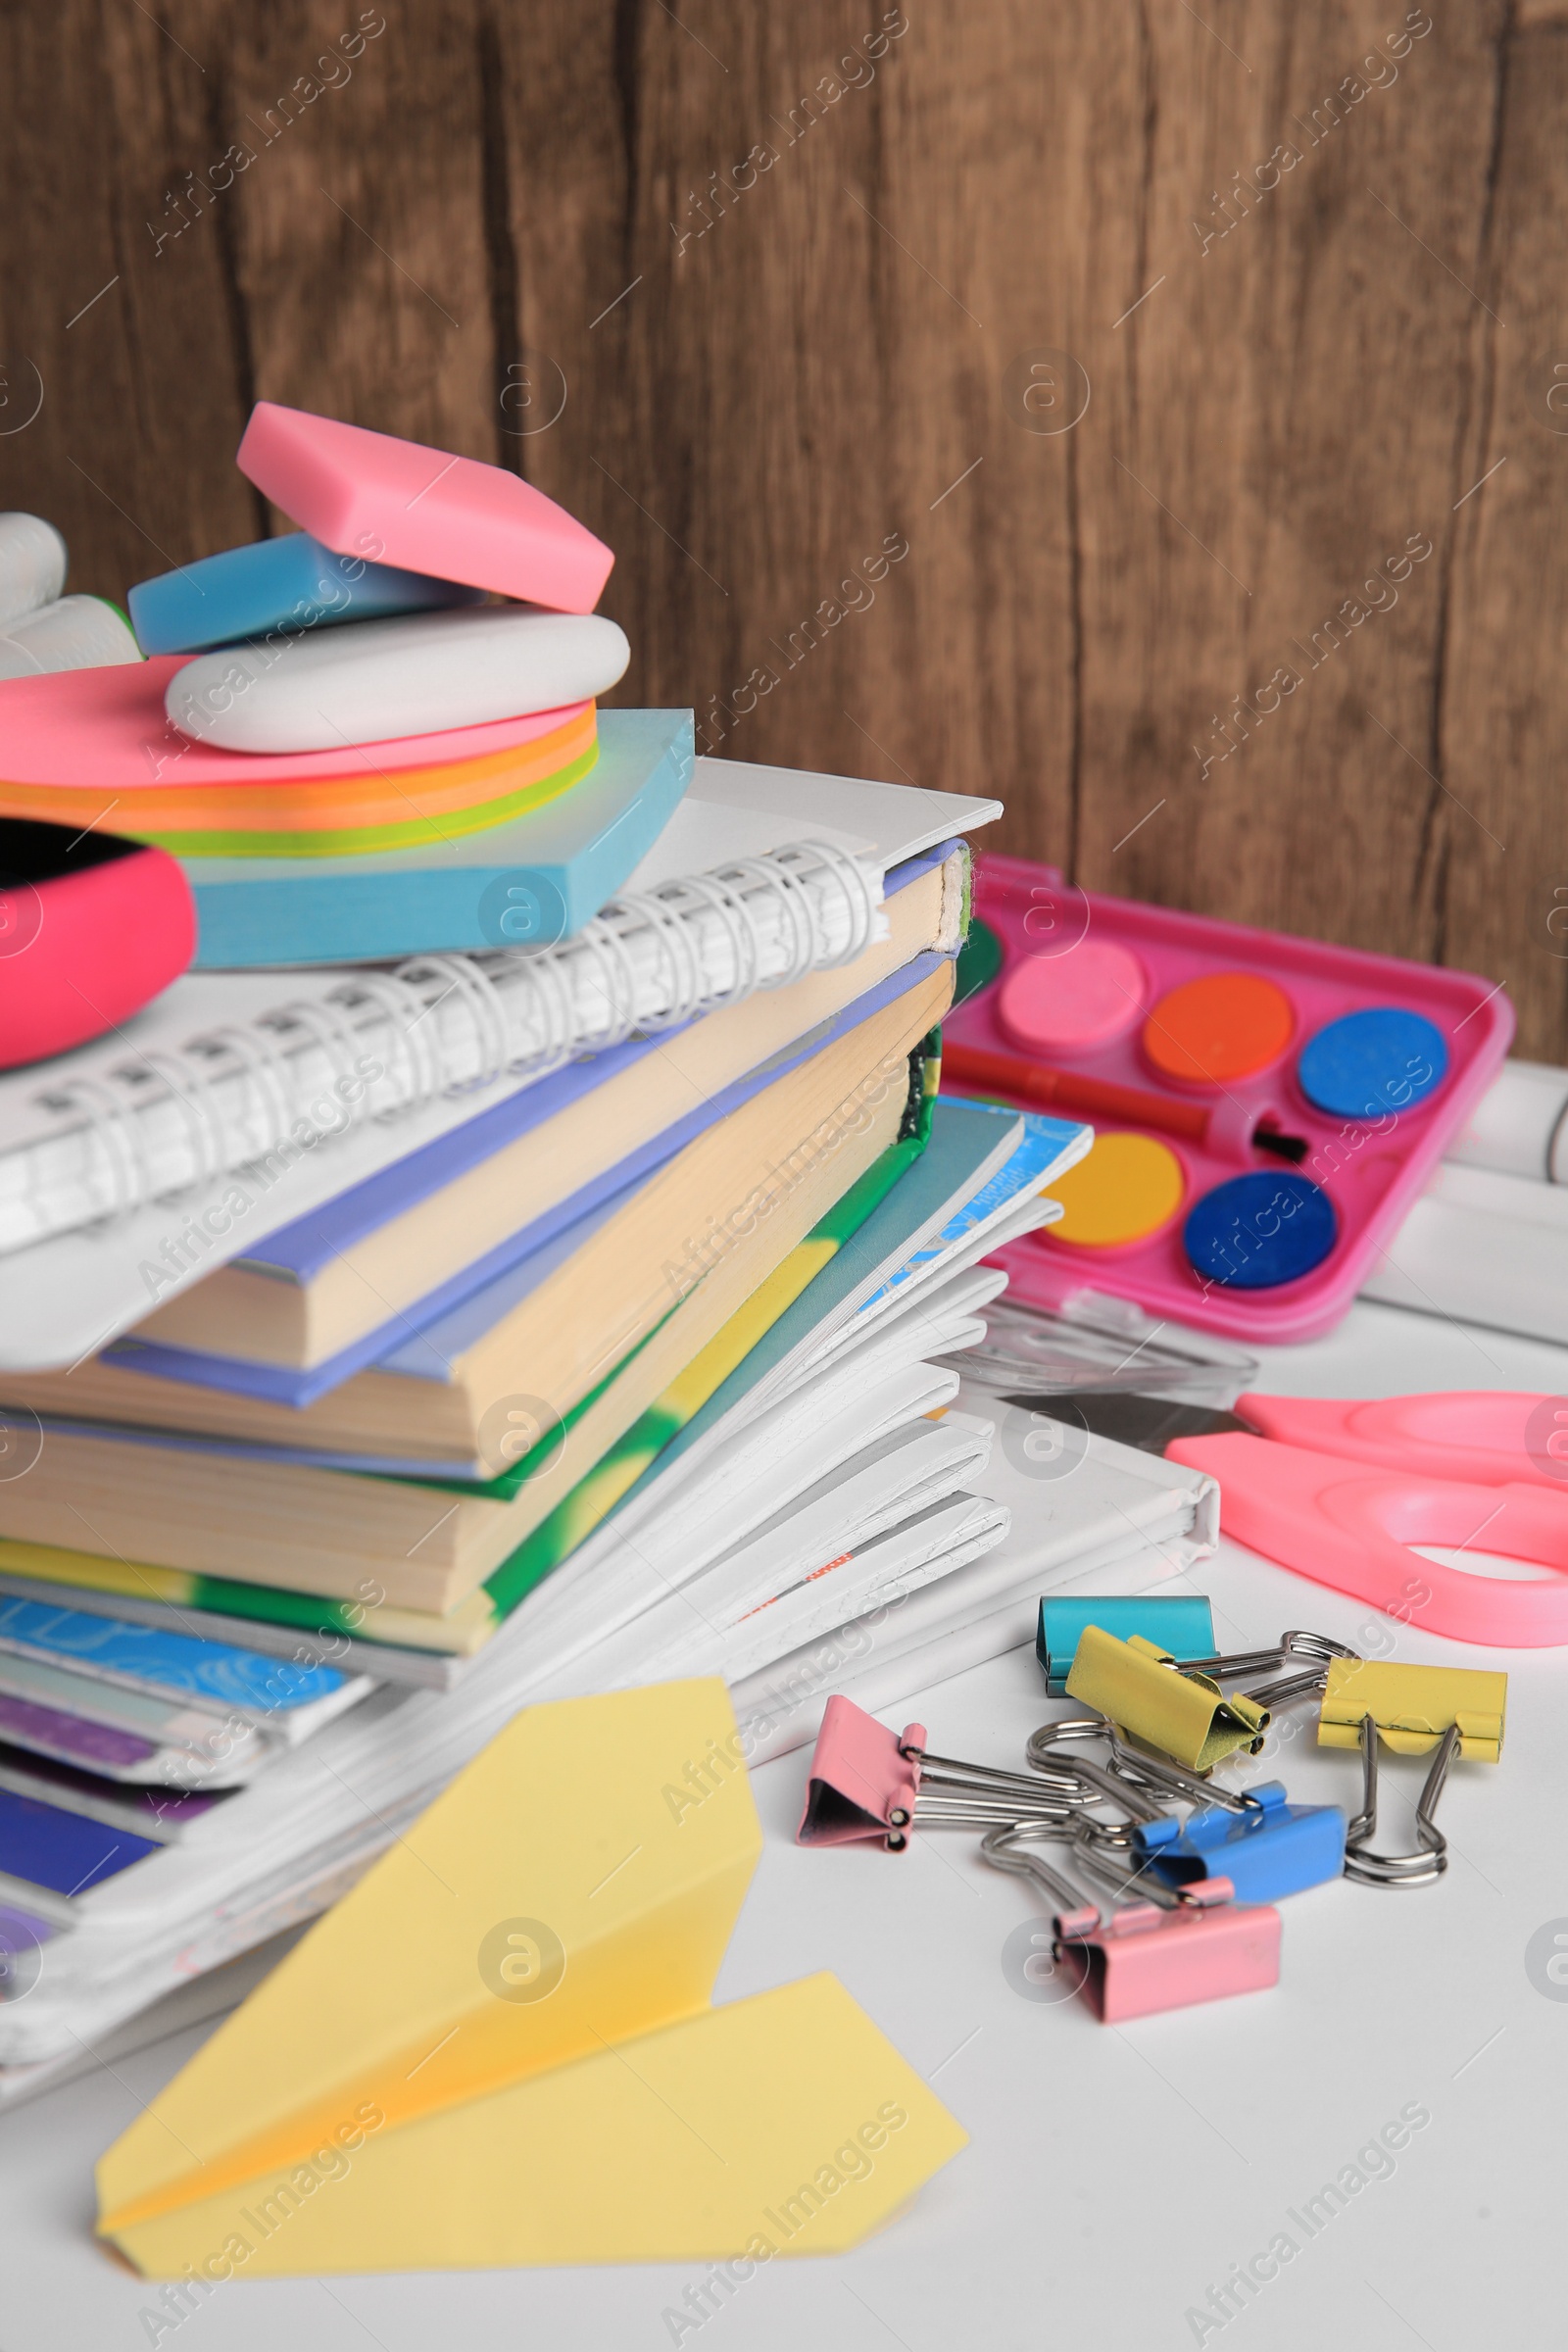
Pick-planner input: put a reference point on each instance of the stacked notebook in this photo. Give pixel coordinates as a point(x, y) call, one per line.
point(803, 1473)
point(381, 1354)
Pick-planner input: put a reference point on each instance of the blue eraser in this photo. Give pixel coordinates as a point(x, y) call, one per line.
point(292, 583)
point(1254, 1232)
point(524, 884)
point(1369, 1064)
point(1181, 1623)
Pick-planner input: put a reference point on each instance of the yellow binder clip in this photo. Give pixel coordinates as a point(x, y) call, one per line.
point(1139, 1686)
point(1412, 1706)
point(1445, 1711)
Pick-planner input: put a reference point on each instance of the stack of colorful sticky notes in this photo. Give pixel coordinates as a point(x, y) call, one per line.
point(410, 678)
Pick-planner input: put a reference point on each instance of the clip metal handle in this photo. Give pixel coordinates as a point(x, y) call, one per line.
point(1242, 1665)
point(1132, 1771)
point(1427, 1864)
point(1098, 1779)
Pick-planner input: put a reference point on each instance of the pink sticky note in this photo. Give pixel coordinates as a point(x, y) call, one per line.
point(107, 729)
point(397, 502)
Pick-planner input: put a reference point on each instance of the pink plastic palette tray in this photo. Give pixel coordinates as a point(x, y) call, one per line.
point(1268, 1108)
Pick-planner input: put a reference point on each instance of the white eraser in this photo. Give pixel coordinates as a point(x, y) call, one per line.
point(372, 681)
point(32, 564)
point(78, 633)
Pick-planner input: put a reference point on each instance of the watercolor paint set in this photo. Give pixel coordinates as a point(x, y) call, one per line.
point(1267, 1108)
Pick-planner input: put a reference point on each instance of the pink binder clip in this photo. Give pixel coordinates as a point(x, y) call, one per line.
point(868, 1784)
point(859, 1778)
point(1188, 1946)
point(1349, 1525)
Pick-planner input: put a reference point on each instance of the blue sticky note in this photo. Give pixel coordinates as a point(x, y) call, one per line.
point(1180, 1623)
point(291, 583)
point(1369, 1064)
point(526, 884)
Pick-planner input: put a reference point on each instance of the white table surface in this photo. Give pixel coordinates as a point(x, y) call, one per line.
point(1113, 2174)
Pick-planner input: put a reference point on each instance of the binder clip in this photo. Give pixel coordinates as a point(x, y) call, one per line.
point(1262, 1844)
point(1179, 1623)
point(1185, 1715)
point(1183, 1946)
point(868, 1784)
point(1412, 1706)
point(1445, 1711)
point(1255, 1837)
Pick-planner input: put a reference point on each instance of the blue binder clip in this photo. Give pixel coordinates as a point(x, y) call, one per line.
point(1263, 1844)
point(1179, 1623)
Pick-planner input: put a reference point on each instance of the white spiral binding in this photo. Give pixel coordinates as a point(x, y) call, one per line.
point(201, 1124)
point(460, 975)
point(261, 1061)
point(114, 1140)
point(413, 1037)
point(527, 1030)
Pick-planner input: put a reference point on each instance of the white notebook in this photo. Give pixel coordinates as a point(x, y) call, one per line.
point(67, 1295)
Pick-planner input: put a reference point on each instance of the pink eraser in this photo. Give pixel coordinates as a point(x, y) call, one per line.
point(91, 927)
point(398, 502)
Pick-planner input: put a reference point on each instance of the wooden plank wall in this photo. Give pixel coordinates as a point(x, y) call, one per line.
point(799, 306)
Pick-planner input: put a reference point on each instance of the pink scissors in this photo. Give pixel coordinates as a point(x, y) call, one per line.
point(1339, 1491)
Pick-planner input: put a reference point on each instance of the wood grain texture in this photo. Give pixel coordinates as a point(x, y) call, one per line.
point(794, 306)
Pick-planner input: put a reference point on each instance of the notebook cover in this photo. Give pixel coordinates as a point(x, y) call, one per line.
point(161, 1814)
point(301, 1250)
point(65, 1852)
point(69, 1296)
point(594, 1497)
point(55, 1733)
point(964, 1137)
point(149, 1658)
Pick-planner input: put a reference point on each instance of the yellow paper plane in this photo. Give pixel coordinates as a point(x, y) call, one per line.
point(499, 2050)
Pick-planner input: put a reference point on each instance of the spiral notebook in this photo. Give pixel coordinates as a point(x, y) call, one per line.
point(68, 1295)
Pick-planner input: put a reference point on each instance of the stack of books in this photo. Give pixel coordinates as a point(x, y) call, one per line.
point(386, 1349)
